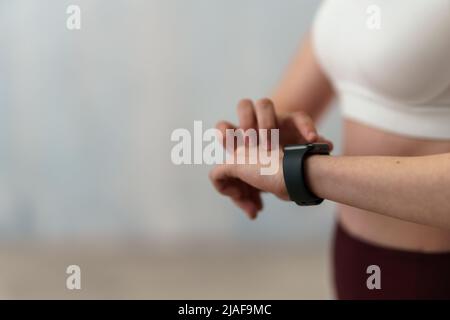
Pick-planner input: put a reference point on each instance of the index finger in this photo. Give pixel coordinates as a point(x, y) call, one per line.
point(305, 125)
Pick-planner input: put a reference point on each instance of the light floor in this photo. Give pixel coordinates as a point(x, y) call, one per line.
point(220, 272)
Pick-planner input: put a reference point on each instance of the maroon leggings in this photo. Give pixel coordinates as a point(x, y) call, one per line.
point(403, 274)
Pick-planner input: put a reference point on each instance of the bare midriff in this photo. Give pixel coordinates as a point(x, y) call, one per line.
point(361, 140)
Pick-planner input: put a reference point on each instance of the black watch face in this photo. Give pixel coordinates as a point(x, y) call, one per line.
point(320, 148)
point(312, 147)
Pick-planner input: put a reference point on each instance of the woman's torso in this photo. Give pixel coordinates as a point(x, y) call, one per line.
point(360, 139)
point(389, 61)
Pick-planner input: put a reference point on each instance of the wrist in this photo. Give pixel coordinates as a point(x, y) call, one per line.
point(314, 167)
point(294, 171)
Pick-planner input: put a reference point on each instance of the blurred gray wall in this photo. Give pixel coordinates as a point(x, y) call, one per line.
point(86, 116)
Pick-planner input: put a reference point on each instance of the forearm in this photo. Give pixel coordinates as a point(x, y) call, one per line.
point(415, 189)
point(304, 86)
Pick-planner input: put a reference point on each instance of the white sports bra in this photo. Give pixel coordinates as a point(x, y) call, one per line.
point(389, 61)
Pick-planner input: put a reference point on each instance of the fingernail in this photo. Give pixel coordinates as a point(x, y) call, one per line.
point(312, 136)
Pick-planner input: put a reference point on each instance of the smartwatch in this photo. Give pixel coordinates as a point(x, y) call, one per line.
point(294, 173)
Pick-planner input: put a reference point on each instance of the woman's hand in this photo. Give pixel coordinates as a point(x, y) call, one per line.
point(295, 128)
point(244, 183)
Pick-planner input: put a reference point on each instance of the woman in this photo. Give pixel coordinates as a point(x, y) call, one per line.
point(392, 183)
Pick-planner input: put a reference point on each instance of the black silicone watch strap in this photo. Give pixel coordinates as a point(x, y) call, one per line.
point(293, 171)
